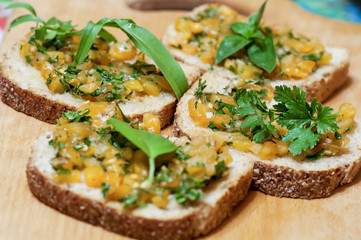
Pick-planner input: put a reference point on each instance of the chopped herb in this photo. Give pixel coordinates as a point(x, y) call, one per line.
point(179, 46)
point(128, 200)
point(233, 69)
point(187, 190)
point(318, 155)
point(105, 188)
point(78, 116)
point(220, 169)
point(78, 146)
point(28, 59)
point(61, 145)
point(48, 80)
point(348, 129)
point(208, 13)
point(63, 172)
point(56, 59)
point(312, 57)
point(180, 154)
point(87, 141)
point(201, 86)
point(201, 164)
point(290, 35)
point(212, 126)
point(338, 136)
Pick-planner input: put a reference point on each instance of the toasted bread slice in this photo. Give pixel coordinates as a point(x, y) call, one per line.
point(23, 88)
point(320, 84)
point(173, 222)
point(281, 176)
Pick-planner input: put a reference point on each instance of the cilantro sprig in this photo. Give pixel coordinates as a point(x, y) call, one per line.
point(259, 45)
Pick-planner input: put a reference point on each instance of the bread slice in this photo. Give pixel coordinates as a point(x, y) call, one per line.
point(23, 88)
point(320, 84)
point(282, 176)
point(174, 222)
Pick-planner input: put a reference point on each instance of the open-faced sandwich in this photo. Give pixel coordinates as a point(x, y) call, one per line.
point(56, 68)
point(303, 149)
point(215, 36)
point(104, 165)
point(135, 183)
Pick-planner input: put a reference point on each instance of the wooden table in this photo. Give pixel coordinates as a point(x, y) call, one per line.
point(260, 216)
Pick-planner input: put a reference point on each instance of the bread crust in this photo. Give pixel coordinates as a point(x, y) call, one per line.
point(201, 220)
point(30, 103)
point(283, 181)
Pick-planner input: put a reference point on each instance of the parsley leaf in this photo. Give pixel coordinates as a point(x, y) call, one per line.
point(255, 112)
point(305, 121)
point(301, 139)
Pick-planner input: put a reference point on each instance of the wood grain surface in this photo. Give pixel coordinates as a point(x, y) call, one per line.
point(260, 216)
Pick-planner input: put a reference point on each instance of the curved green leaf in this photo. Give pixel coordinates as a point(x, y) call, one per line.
point(145, 41)
point(263, 53)
point(256, 18)
point(25, 18)
point(22, 5)
point(151, 144)
point(230, 45)
point(244, 29)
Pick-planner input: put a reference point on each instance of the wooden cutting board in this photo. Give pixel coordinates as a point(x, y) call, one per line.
point(260, 216)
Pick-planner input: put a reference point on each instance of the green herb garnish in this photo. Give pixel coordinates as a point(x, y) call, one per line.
point(78, 116)
point(305, 121)
point(152, 145)
point(260, 47)
point(144, 41)
point(105, 188)
point(312, 57)
point(53, 33)
point(28, 59)
point(63, 172)
point(201, 86)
